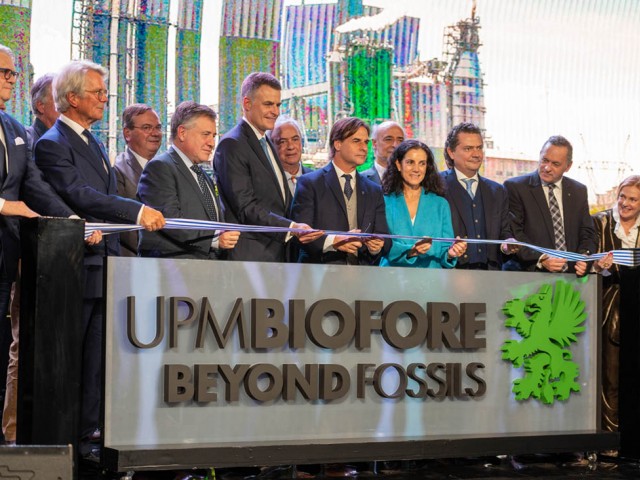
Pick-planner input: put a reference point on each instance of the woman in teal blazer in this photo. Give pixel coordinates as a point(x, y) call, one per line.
point(413, 197)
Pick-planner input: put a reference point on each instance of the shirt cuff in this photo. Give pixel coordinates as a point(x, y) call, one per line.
point(139, 217)
point(328, 244)
point(1, 204)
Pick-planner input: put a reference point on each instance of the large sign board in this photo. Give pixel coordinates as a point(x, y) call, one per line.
point(206, 352)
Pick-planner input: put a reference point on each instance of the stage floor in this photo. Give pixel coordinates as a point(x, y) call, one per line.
point(529, 466)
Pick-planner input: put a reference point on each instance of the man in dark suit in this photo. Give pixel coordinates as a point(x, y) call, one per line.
point(287, 138)
point(550, 210)
point(43, 108)
point(337, 197)
point(142, 133)
point(251, 177)
point(75, 163)
point(479, 206)
point(386, 137)
point(175, 184)
point(23, 189)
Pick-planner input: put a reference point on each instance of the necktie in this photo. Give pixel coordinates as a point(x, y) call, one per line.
point(95, 147)
point(348, 189)
point(292, 185)
point(206, 193)
point(556, 218)
point(469, 183)
point(265, 147)
point(3, 162)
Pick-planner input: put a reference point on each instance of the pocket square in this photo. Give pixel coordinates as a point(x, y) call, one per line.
point(19, 141)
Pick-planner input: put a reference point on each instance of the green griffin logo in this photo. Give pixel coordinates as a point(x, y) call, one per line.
point(547, 322)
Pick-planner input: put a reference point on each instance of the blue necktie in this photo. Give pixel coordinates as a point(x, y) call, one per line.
point(95, 148)
point(265, 147)
point(469, 183)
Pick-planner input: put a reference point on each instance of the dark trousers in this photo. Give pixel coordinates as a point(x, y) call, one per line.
point(92, 313)
point(5, 335)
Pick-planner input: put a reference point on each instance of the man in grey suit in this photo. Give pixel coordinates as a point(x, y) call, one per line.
point(142, 132)
point(385, 138)
point(287, 138)
point(175, 184)
point(251, 177)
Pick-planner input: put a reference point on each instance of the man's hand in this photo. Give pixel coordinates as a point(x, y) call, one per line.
point(347, 244)
point(458, 248)
point(306, 237)
point(420, 247)
point(374, 245)
point(17, 208)
point(228, 239)
point(553, 264)
point(151, 219)
point(94, 239)
point(581, 268)
point(509, 248)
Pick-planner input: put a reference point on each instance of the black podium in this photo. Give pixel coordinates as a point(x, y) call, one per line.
point(50, 360)
point(630, 362)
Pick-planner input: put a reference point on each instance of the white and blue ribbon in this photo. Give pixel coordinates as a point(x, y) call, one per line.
point(630, 258)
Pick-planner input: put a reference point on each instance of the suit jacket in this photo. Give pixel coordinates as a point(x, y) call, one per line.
point(372, 174)
point(34, 132)
point(24, 181)
point(80, 178)
point(168, 185)
point(496, 214)
point(128, 171)
point(319, 202)
point(253, 195)
point(531, 221)
point(433, 219)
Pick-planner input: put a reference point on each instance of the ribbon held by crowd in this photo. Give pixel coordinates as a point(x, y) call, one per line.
point(629, 258)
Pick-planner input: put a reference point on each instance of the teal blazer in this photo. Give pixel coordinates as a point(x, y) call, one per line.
point(433, 219)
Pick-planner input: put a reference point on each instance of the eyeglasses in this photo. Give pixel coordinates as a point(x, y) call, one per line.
point(101, 94)
point(8, 73)
point(149, 128)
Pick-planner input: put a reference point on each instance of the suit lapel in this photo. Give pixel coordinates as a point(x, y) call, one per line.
point(333, 184)
point(193, 183)
point(133, 163)
point(362, 200)
point(456, 193)
point(537, 193)
point(9, 144)
point(568, 217)
point(488, 206)
point(79, 145)
point(254, 143)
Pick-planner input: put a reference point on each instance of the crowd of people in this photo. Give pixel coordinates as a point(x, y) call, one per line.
point(58, 167)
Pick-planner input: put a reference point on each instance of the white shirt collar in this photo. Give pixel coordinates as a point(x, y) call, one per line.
point(255, 130)
point(379, 168)
point(461, 176)
point(75, 126)
point(141, 160)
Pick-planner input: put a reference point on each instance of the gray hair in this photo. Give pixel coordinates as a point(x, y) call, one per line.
point(281, 122)
point(384, 125)
point(40, 90)
point(71, 79)
point(7, 51)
